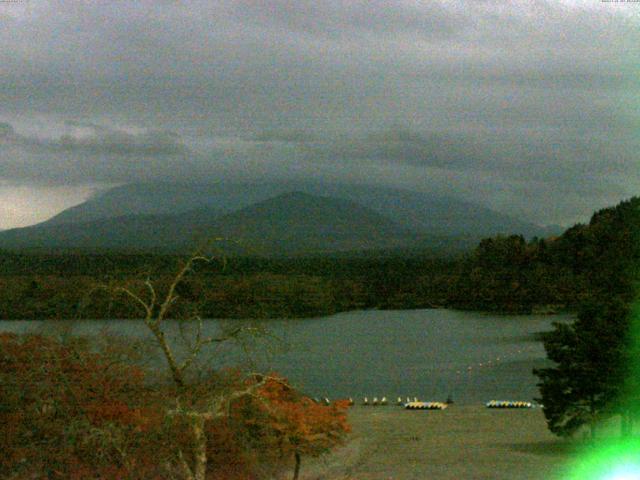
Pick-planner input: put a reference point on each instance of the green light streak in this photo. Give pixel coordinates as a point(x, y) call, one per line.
point(616, 458)
point(607, 460)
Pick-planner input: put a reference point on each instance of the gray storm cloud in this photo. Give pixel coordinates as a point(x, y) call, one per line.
point(529, 107)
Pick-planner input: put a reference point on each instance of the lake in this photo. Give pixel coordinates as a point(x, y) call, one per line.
point(429, 354)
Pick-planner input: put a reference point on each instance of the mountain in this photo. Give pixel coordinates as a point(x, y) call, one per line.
point(436, 215)
point(131, 233)
point(165, 199)
point(421, 212)
point(290, 223)
point(297, 222)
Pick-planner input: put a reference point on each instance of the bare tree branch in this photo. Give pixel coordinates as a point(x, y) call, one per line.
point(156, 311)
point(147, 308)
point(171, 296)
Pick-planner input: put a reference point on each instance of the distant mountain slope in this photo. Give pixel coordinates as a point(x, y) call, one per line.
point(128, 233)
point(437, 215)
point(164, 198)
point(426, 213)
point(292, 223)
point(299, 222)
point(133, 232)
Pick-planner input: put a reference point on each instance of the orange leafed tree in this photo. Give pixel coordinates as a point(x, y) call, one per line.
point(292, 425)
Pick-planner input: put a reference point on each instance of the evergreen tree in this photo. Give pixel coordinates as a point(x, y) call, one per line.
point(590, 355)
point(594, 356)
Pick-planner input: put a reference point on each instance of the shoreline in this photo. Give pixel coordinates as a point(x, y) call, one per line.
point(534, 312)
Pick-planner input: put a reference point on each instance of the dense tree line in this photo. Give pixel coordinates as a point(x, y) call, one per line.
point(596, 357)
point(509, 274)
point(586, 261)
point(65, 286)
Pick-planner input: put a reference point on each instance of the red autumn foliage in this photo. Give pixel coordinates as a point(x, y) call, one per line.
point(266, 429)
point(67, 412)
point(305, 426)
point(283, 423)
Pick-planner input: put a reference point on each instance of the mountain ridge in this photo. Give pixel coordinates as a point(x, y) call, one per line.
point(431, 214)
point(266, 218)
point(293, 222)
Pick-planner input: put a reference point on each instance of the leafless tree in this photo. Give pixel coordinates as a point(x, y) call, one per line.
point(157, 308)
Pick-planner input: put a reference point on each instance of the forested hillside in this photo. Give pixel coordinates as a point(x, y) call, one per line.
point(510, 274)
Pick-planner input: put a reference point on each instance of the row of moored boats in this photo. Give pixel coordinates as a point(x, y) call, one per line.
point(415, 404)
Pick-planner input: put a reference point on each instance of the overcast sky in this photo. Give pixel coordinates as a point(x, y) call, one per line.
point(529, 107)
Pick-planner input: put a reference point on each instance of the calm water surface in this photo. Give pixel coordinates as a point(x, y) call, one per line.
point(430, 354)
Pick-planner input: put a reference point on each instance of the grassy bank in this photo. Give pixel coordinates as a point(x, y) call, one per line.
point(462, 442)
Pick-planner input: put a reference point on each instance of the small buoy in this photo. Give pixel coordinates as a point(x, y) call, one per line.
point(375, 401)
point(350, 402)
point(365, 401)
point(326, 401)
point(383, 401)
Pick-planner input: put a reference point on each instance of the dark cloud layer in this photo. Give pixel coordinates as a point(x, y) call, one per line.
point(92, 153)
point(529, 107)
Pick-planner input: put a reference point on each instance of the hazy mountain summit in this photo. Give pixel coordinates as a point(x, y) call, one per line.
point(268, 218)
point(425, 212)
point(163, 198)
